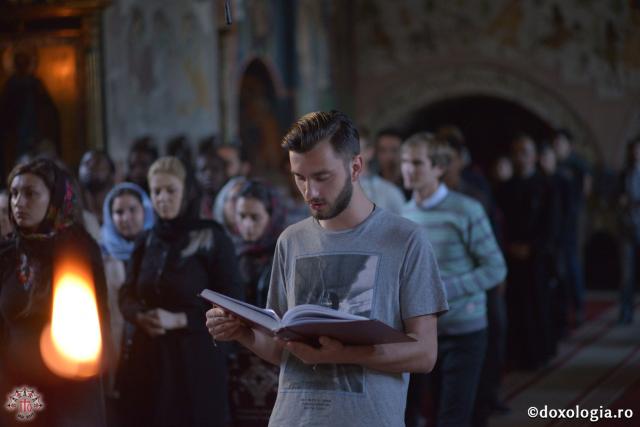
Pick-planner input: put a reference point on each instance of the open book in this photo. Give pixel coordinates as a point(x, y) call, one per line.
point(308, 322)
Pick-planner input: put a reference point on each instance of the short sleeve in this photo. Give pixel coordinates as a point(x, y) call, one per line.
point(421, 288)
point(277, 297)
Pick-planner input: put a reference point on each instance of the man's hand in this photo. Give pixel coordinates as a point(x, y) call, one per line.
point(225, 326)
point(330, 351)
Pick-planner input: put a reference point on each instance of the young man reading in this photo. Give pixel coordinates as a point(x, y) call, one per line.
point(354, 257)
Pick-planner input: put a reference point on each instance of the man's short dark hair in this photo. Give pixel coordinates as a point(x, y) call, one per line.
point(144, 144)
point(238, 147)
point(312, 128)
point(392, 132)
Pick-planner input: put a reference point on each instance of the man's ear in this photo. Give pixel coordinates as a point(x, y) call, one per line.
point(442, 170)
point(356, 167)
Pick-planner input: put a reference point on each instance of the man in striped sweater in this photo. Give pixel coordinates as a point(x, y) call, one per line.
point(470, 264)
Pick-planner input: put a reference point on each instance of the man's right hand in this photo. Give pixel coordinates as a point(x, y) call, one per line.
point(224, 326)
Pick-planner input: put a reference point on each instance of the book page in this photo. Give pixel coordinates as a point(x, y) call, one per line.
point(318, 313)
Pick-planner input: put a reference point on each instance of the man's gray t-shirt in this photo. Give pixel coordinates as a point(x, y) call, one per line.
point(383, 269)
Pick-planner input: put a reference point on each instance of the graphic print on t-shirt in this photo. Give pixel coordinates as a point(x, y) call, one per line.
point(343, 282)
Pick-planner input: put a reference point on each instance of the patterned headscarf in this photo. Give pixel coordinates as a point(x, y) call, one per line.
point(36, 249)
point(63, 210)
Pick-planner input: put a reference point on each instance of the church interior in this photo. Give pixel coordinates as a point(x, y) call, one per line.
point(99, 75)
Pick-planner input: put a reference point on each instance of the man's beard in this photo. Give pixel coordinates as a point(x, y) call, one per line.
point(340, 204)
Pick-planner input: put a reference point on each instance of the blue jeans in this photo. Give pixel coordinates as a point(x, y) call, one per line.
point(454, 380)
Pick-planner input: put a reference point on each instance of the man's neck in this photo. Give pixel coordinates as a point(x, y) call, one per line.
point(425, 192)
point(358, 210)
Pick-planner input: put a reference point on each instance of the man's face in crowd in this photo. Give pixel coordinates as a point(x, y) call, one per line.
point(94, 171)
point(418, 171)
point(210, 173)
point(139, 164)
point(231, 159)
point(524, 155)
point(548, 161)
point(367, 151)
point(388, 151)
point(562, 147)
point(323, 178)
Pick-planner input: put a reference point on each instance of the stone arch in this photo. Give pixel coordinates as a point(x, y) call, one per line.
point(425, 89)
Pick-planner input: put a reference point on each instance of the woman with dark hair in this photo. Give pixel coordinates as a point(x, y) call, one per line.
point(44, 214)
point(260, 218)
point(174, 375)
point(126, 213)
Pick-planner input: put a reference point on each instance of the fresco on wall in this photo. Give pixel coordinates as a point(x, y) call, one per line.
point(160, 71)
point(259, 129)
point(40, 105)
point(589, 42)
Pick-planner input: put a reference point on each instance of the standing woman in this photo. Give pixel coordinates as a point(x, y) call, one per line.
point(44, 214)
point(175, 376)
point(260, 218)
point(126, 213)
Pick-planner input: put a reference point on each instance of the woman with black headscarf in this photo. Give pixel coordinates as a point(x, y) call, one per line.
point(44, 214)
point(174, 375)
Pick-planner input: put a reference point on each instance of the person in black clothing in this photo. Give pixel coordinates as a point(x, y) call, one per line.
point(577, 171)
point(45, 217)
point(260, 218)
point(561, 285)
point(173, 373)
point(142, 154)
point(529, 209)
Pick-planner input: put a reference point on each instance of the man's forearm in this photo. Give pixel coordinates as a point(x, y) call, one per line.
point(418, 356)
point(263, 345)
point(393, 358)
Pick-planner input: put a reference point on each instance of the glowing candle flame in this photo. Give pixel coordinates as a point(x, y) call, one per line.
point(71, 347)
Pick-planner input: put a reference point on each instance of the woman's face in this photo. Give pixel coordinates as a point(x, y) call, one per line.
point(166, 194)
point(252, 219)
point(127, 215)
point(5, 225)
point(29, 200)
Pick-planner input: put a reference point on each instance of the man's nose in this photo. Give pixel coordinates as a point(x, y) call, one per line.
point(311, 191)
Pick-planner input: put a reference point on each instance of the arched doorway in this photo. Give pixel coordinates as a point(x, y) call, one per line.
point(259, 127)
point(488, 123)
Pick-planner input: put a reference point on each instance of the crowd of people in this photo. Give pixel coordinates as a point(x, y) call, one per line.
point(481, 267)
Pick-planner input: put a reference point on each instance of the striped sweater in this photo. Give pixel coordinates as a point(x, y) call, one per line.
point(469, 258)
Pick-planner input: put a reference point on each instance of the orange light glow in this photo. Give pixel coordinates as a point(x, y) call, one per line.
point(72, 345)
